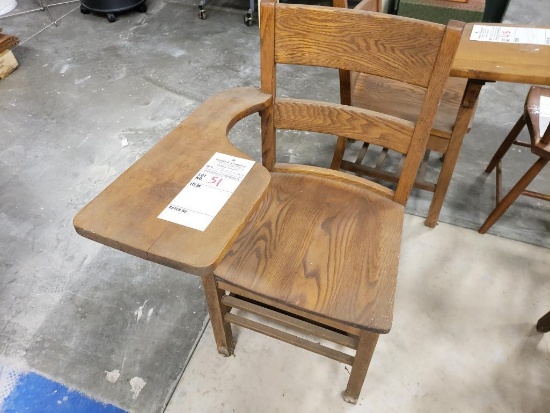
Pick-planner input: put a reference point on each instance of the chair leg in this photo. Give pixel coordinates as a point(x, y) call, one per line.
point(463, 118)
point(506, 144)
point(345, 99)
point(543, 325)
point(514, 193)
point(222, 329)
point(338, 153)
point(363, 356)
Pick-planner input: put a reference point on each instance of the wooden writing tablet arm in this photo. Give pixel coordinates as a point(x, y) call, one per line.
point(124, 215)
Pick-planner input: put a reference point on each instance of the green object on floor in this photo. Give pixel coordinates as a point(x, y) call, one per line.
point(441, 11)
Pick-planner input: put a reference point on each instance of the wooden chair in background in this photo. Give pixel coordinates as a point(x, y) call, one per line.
point(405, 100)
point(539, 145)
point(320, 255)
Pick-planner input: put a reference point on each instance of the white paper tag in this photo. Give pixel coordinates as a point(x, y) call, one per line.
point(503, 34)
point(544, 115)
point(203, 197)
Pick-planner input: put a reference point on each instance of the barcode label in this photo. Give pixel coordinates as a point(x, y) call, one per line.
point(204, 196)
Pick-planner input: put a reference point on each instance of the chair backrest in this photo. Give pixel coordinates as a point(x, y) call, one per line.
point(411, 51)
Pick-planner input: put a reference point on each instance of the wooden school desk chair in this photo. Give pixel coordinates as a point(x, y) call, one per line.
point(540, 146)
point(404, 100)
point(320, 254)
point(309, 249)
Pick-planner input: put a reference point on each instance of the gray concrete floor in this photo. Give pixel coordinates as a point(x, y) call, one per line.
point(463, 340)
point(69, 308)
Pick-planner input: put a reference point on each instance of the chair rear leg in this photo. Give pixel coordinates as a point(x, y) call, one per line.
point(514, 193)
point(363, 356)
point(222, 329)
point(345, 99)
point(506, 144)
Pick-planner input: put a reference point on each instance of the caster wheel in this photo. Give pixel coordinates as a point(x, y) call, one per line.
point(142, 8)
point(111, 17)
point(248, 19)
point(84, 10)
point(202, 14)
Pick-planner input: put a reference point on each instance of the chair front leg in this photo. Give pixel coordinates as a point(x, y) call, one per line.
point(363, 356)
point(217, 311)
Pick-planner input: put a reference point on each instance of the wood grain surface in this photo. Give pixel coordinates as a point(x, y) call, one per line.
point(357, 41)
point(333, 175)
point(404, 101)
point(324, 246)
point(539, 145)
point(506, 62)
point(434, 91)
point(302, 250)
point(268, 76)
point(124, 215)
point(351, 122)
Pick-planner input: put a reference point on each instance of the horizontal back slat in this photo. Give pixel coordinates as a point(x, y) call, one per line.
point(358, 41)
point(404, 100)
point(351, 122)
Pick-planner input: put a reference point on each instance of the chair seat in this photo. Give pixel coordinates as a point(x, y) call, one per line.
point(402, 100)
point(310, 247)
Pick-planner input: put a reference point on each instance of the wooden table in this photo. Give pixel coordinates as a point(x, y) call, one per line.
point(506, 62)
point(482, 62)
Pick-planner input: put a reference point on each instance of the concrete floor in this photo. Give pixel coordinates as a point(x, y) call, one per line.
point(75, 311)
point(463, 340)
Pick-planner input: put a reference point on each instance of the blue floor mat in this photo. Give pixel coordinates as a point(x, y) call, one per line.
point(36, 394)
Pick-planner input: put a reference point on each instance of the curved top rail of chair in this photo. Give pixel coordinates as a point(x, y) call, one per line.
point(156, 178)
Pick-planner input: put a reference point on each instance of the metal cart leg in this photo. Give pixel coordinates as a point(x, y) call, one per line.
point(44, 6)
point(247, 18)
point(202, 12)
point(248, 15)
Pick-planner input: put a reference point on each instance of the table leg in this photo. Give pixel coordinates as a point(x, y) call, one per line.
point(465, 113)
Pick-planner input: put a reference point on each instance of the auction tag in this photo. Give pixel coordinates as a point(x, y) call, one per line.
point(503, 34)
point(204, 196)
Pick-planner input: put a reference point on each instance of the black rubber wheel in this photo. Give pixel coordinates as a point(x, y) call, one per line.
point(111, 17)
point(142, 8)
point(248, 19)
point(202, 14)
point(84, 10)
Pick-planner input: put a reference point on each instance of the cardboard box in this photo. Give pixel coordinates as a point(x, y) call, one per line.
point(8, 63)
